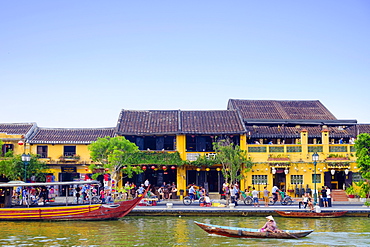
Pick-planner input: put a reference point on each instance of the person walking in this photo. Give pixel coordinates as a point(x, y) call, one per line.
point(266, 194)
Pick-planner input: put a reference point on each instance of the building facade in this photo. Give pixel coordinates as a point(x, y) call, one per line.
point(280, 138)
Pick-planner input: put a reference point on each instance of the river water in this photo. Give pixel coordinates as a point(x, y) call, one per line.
point(181, 231)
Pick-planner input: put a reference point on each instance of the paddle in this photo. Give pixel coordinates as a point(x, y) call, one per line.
point(291, 234)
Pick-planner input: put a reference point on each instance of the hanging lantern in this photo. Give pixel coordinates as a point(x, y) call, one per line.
point(144, 168)
point(153, 167)
point(164, 167)
point(20, 143)
point(173, 167)
point(207, 169)
point(107, 169)
point(218, 169)
point(332, 172)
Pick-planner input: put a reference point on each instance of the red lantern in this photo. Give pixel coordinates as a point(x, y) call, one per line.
point(173, 167)
point(164, 167)
point(144, 168)
point(20, 143)
point(153, 167)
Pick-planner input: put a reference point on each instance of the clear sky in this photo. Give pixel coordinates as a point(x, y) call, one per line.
point(78, 63)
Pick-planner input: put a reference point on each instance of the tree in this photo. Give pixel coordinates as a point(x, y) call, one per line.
point(113, 153)
point(232, 159)
point(117, 154)
point(14, 169)
point(362, 146)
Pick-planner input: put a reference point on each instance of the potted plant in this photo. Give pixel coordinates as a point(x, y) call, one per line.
point(351, 192)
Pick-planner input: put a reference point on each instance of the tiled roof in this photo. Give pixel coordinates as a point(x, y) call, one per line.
point(76, 136)
point(211, 122)
point(281, 109)
point(148, 122)
point(16, 128)
point(177, 122)
point(363, 128)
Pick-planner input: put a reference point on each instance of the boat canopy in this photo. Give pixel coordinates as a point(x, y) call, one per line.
point(23, 184)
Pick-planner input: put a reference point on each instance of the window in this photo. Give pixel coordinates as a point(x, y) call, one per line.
point(318, 178)
point(7, 150)
point(42, 151)
point(296, 179)
point(259, 179)
point(69, 151)
point(356, 177)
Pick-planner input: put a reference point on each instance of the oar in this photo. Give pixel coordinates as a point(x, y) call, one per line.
point(291, 234)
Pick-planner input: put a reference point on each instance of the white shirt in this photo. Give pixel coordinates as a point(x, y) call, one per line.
point(255, 193)
point(317, 209)
point(274, 189)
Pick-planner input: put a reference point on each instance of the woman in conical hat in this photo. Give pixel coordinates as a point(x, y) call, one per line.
point(270, 225)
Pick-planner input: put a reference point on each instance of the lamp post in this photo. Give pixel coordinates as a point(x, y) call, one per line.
point(26, 159)
point(315, 158)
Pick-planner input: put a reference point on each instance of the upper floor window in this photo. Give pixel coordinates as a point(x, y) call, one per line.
point(42, 151)
point(69, 151)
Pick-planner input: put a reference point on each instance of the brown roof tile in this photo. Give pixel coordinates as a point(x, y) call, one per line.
point(148, 122)
point(60, 135)
point(281, 109)
point(16, 128)
point(211, 122)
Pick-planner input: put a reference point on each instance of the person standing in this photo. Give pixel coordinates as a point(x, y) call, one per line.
point(233, 192)
point(255, 198)
point(146, 184)
point(274, 191)
point(266, 194)
point(324, 196)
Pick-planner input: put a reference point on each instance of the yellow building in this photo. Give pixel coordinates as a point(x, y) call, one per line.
point(280, 138)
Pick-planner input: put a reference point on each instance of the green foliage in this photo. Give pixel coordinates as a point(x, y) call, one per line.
point(1, 147)
point(14, 168)
point(158, 158)
point(362, 146)
point(364, 188)
point(120, 155)
point(350, 190)
point(203, 160)
point(232, 159)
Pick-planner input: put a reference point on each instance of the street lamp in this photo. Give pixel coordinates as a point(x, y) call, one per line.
point(315, 158)
point(26, 160)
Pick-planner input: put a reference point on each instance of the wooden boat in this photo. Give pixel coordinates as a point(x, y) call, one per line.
point(305, 214)
point(237, 232)
point(67, 212)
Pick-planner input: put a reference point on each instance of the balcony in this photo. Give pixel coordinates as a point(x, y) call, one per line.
point(69, 158)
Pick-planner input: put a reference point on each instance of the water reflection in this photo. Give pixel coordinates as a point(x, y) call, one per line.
point(180, 231)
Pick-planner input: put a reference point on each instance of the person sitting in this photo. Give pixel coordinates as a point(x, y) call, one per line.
point(207, 200)
point(270, 225)
point(161, 193)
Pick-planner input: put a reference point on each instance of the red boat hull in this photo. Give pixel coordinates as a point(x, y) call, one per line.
point(299, 214)
point(75, 212)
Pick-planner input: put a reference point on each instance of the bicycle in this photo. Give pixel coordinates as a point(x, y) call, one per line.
point(285, 200)
point(188, 200)
point(247, 199)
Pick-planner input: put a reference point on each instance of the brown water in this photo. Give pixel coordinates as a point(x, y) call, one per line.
point(180, 231)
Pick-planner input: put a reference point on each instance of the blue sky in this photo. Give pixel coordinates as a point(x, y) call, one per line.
point(78, 63)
